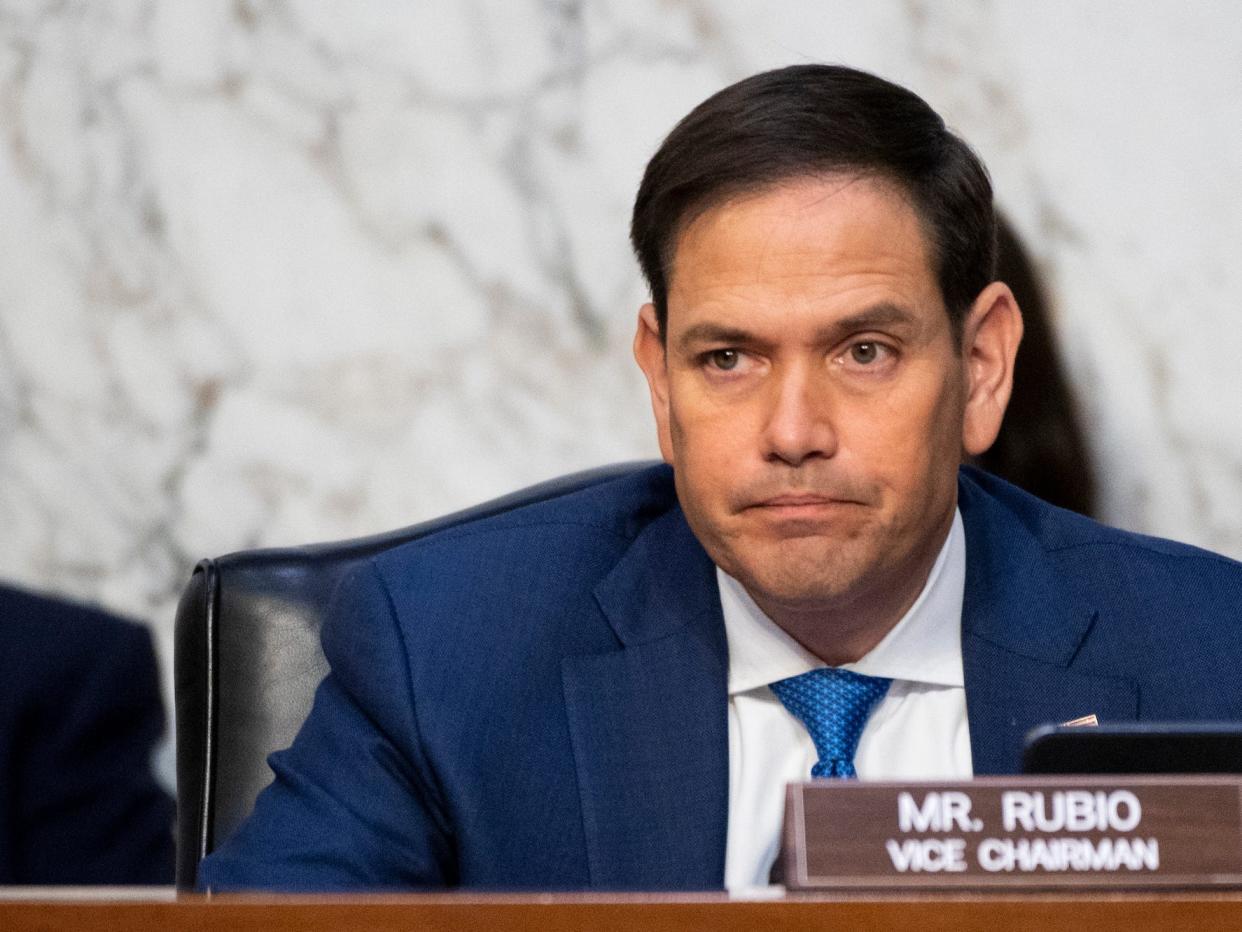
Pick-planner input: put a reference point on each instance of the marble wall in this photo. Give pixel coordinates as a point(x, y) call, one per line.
point(273, 272)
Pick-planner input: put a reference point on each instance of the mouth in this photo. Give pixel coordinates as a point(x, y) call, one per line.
point(801, 505)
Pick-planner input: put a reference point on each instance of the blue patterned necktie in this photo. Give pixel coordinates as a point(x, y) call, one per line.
point(833, 705)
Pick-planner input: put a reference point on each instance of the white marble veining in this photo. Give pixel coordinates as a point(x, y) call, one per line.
point(273, 272)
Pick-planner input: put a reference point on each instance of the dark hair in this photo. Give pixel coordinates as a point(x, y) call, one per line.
point(1041, 446)
point(808, 120)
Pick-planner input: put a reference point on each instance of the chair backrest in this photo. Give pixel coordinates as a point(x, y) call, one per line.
point(248, 661)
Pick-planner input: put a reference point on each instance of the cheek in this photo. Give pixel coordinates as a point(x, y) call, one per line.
point(907, 440)
point(706, 429)
point(700, 448)
point(712, 456)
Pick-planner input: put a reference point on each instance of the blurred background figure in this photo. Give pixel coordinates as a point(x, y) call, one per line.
point(80, 717)
point(1040, 447)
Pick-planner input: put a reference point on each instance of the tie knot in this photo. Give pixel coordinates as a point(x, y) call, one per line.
point(834, 706)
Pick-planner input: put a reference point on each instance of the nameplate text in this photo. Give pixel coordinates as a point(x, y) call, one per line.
point(1133, 832)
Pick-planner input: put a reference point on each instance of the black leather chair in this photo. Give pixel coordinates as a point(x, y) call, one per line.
point(248, 661)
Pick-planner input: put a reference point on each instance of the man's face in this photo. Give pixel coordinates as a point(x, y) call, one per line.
point(810, 395)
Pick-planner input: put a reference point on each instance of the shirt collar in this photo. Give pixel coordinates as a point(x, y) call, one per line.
point(925, 646)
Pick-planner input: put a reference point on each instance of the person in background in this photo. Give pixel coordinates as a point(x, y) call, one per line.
point(80, 716)
point(1040, 447)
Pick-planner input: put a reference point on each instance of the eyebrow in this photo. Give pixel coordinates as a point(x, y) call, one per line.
point(878, 316)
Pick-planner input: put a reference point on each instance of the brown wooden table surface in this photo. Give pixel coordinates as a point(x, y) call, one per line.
point(161, 909)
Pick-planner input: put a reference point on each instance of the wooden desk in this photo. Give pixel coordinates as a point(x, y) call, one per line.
point(22, 910)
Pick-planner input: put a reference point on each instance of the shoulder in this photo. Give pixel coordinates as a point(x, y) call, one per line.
point(489, 605)
point(1015, 534)
point(509, 585)
point(69, 670)
point(1007, 507)
point(1157, 613)
point(43, 634)
point(600, 520)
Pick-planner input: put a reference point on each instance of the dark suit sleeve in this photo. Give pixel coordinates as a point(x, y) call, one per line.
point(352, 805)
point(88, 807)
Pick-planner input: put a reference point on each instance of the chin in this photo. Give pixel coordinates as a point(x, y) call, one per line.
point(798, 578)
point(803, 593)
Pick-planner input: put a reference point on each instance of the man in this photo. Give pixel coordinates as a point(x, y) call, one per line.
point(609, 690)
point(80, 716)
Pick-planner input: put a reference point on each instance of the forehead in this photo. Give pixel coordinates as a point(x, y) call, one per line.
point(813, 247)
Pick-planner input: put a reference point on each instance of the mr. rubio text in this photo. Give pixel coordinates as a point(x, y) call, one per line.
point(1053, 813)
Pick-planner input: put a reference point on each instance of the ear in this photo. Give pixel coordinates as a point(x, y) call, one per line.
point(649, 351)
point(990, 337)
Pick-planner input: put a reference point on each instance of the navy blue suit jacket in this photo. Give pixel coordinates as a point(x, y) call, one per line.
point(80, 716)
point(538, 700)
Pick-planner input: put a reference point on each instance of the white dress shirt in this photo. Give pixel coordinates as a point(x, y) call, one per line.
point(918, 731)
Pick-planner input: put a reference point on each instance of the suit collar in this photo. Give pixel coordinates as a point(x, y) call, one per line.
point(1014, 597)
point(649, 722)
point(663, 583)
point(1023, 623)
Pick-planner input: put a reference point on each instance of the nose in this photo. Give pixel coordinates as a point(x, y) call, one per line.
point(798, 423)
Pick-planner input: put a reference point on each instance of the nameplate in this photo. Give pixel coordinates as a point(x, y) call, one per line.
point(1133, 832)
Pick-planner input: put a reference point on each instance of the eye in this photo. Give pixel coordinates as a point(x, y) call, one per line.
point(865, 353)
point(724, 359)
point(873, 357)
point(868, 354)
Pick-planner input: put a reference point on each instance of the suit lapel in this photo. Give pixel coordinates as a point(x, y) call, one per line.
point(649, 722)
point(1007, 695)
point(1022, 627)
